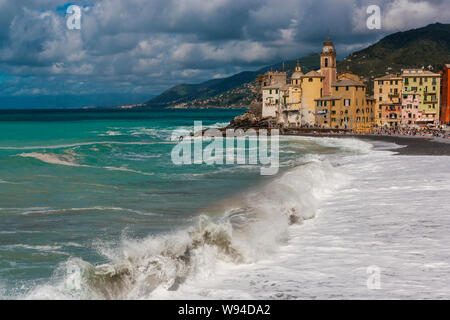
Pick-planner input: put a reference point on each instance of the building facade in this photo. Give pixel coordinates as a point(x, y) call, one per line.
point(387, 94)
point(410, 110)
point(426, 85)
point(445, 94)
point(273, 87)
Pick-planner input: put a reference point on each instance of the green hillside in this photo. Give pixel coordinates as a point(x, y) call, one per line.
point(427, 47)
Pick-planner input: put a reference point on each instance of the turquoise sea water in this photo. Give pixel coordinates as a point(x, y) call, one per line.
point(73, 183)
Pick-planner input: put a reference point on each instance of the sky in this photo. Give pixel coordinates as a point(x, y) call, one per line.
point(139, 48)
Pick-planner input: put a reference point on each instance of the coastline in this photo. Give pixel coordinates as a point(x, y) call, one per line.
point(411, 145)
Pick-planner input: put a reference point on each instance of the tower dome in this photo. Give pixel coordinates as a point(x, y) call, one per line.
point(297, 74)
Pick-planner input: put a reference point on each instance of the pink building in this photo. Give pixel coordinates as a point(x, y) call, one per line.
point(410, 109)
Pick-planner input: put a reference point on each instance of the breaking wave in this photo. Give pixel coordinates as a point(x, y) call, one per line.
point(250, 228)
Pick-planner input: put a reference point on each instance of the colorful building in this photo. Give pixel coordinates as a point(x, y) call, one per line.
point(445, 94)
point(410, 110)
point(387, 94)
point(426, 85)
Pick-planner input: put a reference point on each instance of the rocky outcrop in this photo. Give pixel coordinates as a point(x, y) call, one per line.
point(251, 119)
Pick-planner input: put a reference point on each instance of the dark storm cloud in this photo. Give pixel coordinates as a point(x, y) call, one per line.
point(147, 46)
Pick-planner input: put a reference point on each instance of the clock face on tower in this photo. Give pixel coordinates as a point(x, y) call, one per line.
point(325, 49)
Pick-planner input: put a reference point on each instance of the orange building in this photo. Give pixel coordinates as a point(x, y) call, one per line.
point(445, 108)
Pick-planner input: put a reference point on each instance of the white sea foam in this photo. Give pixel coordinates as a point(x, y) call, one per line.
point(80, 144)
point(35, 247)
point(393, 214)
point(74, 210)
point(68, 160)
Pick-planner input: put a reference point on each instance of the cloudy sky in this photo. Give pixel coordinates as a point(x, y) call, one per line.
point(145, 46)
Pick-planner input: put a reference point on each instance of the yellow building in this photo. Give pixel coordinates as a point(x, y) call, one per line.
point(347, 107)
point(312, 88)
point(387, 94)
point(427, 86)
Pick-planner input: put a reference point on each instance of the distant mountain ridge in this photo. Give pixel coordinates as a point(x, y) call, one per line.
point(231, 90)
point(423, 47)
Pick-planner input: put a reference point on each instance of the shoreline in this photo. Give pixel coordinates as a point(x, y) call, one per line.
point(411, 146)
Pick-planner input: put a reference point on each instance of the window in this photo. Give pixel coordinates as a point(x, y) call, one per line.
point(346, 88)
point(337, 88)
point(380, 83)
point(324, 103)
point(310, 80)
point(270, 91)
point(333, 103)
point(347, 102)
point(379, 99)
point(326, 62)
point(381, 90)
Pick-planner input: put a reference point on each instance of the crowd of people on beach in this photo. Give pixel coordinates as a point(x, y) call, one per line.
point(414, 132)
point(426, 132)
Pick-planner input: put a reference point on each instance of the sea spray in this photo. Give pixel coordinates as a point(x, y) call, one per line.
point(138, 267)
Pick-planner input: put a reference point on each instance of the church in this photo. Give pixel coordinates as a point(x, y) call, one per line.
point(321, 98)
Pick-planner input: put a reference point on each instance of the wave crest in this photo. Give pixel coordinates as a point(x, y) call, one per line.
point(141, 268)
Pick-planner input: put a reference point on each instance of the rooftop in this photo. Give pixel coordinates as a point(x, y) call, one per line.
point(389, 77)
point(312, 74)
point(418, 72)
point(347, 82)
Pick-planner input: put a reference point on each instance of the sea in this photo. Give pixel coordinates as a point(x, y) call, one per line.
point(92, 206)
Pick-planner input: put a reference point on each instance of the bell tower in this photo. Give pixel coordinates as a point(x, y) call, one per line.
point(328, 66)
